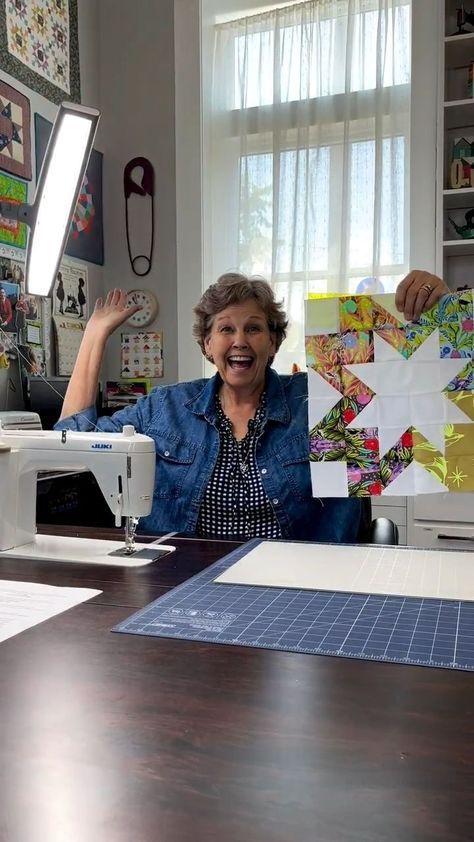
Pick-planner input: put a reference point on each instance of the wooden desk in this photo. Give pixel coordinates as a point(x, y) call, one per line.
point(116, 738)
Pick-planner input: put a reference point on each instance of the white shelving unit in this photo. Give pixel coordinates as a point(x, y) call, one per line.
point(447, 520)
point(455, 257)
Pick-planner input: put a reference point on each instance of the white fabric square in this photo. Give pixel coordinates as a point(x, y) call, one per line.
point(329, 479)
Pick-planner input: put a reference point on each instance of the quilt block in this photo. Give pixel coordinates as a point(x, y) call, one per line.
point(390, 402)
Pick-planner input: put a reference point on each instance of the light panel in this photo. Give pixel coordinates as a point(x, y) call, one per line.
point(59, 184)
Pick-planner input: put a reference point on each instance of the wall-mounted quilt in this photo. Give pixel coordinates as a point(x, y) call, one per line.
point(39, 46)
point(391, 403)
point(15, 142)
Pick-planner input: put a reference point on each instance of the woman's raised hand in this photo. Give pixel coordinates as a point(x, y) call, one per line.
point(110, 313)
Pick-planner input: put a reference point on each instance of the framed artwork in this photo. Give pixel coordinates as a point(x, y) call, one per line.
point(15, 141)
point(391, 402)
point(142, 355)
point(12, 232)
point(39, 46)
point(86, 238)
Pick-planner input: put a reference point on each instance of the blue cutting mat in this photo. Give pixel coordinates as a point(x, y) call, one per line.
point(426, 632)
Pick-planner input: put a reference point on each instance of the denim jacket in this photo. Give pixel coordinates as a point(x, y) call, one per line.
point(181, 419)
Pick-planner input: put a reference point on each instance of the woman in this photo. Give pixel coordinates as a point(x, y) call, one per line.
point(232, 451)
point(81, 298)
point(6, 311)
point(60, 292)
point(22, 311)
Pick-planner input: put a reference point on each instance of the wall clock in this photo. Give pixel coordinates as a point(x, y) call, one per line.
point(149, 307)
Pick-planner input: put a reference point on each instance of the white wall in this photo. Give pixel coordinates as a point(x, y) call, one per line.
point(136, 69)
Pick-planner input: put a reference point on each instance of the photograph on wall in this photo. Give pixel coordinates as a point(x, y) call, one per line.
point(9, 293)
point(15, 141)
point(11, 270)
point(34, 307)
point(22, 310)
point(86, 238)
point(71, 292)
point(12, 232)
point(141, 355)
point(39, 46)
point(32, 361)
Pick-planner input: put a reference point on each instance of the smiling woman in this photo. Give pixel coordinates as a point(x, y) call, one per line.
point(240, 328)
point(232, 451)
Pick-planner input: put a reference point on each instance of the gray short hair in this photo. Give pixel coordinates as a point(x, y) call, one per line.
point(234, 288)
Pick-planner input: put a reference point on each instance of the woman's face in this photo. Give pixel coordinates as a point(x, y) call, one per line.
point(241, 344)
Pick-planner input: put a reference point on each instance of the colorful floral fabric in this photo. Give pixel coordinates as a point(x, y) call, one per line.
point(425, 376)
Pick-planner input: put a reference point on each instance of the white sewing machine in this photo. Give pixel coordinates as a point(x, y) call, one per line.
point(124, 467)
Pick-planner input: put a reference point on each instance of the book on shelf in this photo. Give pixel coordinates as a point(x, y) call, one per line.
point(119, 393)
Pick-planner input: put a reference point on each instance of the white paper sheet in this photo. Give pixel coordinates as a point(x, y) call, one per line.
point(25, 604)
point(397, 571)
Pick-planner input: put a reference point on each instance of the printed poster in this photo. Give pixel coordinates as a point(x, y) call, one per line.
point(71, 292)
point(391, 402)
point(70, 314)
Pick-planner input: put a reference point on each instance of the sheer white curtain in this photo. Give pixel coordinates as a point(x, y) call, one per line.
point(307, 150)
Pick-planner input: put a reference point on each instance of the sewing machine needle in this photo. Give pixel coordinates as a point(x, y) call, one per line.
point(131, 524)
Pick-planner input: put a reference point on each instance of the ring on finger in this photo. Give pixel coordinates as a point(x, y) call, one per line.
point(428, 288)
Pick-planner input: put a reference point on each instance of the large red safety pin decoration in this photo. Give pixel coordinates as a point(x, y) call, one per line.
point(145, 188)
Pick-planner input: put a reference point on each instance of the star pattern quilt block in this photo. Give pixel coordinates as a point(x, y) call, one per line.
point(39, 46)
point(15, 143)
point(390, 402)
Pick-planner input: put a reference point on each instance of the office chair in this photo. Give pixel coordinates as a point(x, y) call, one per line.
point(381, 530)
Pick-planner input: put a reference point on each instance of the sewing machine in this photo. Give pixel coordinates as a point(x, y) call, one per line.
point(124, 467)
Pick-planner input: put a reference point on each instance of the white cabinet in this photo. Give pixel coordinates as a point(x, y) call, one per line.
point(441, 520)
point(447, 520)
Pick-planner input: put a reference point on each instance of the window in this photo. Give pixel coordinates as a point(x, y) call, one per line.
point(307, 135)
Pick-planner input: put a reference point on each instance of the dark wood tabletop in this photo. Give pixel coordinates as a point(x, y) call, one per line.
point(118, 738)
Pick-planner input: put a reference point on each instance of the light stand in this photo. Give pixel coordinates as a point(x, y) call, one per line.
point(59, 183)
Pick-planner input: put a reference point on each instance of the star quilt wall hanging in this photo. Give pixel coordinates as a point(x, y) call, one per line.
point(390, 402)
point(39, 46)
point(15, 143)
